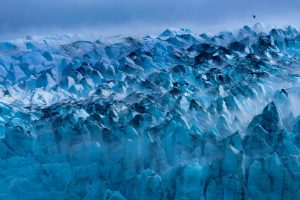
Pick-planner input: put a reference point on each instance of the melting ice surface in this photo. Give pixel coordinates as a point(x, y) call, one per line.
point(175, 116)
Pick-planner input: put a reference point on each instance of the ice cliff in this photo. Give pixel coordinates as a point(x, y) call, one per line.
point(176, 116)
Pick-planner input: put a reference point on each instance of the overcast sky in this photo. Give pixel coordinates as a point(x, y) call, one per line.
point(20, 18)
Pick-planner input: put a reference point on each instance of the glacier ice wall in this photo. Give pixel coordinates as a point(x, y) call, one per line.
point(174, 116)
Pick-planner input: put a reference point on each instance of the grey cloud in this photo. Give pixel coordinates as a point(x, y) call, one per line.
point(20, 17)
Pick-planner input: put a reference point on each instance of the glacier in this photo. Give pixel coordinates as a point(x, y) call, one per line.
point(178, 115)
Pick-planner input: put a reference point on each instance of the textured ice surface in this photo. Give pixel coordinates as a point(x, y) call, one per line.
point(177, 116)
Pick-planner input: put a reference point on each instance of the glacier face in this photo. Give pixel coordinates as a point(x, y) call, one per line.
point(174, 116)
